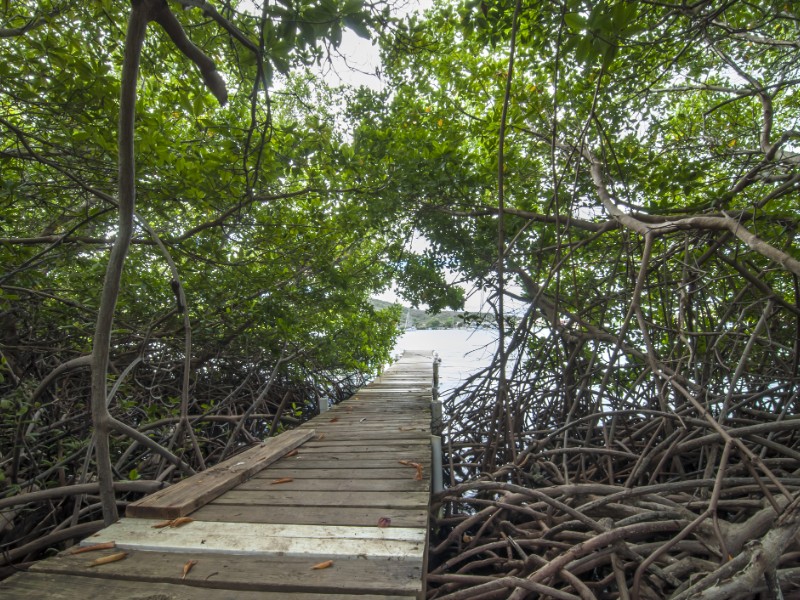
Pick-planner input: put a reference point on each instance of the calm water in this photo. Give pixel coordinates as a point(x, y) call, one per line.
point(462, 351)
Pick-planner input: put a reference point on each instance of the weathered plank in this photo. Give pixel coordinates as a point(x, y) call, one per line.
point(258, 573)
point(191, 493)
point(368, 473)
point(349, 432)
point(347, 461)
point(341, 515)
point(276, 497)
point(265, 539)
point(390, 434)
point(387, 451)
point(352, 419)
point(366, 434)
point(333, 485)
point(358, 446)
point(64, 586)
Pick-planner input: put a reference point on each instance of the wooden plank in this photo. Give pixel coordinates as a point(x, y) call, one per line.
point(145, 528)
point(191, 493)
point(64, 586)
point(333, 485)
point(409, 410)
point(344, 515)
point(299, 499)
point(355, 426)
point(356, 423)
point(419, 417)
point(391, 435)
point(354, 420)
point(350, 465)
point(345, 453)
point(368, 473)
point(387, 451)
point(257, 573)
point(265, 539)
point(352, 462)
point(357, 446)
point(364, 434)
point(411, 413)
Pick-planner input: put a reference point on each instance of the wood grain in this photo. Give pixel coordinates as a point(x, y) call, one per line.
point(62, 586)
point(192, 493)
point(265, 540)
point(257, 573)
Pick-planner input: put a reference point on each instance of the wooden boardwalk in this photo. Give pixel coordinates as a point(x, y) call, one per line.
point(351, 493)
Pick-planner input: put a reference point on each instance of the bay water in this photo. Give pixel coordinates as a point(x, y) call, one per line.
point(462, 351)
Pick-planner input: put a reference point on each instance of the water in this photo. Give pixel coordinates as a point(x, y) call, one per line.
point(463, 351)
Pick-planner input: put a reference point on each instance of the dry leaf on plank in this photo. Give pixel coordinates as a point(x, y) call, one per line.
point(417, 466)
point(103, 546)
point(179, 522)
point(188, 567)
point(104, 560)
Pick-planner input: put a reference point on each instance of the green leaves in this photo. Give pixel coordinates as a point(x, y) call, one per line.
point(597, 33)
point(575, 22)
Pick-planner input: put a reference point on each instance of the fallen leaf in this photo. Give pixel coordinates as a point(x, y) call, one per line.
point(179, 522)
point(103, 546)
point(188, 567)
point(323, 565)
point(321, 436)
point(281, 480)
point(292, 453)
point(104, 560)
point(416, 465)
point(334, 419)
point(384, 522)
point(161, 525)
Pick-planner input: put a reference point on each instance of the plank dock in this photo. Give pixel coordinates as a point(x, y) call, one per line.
point(343, 487)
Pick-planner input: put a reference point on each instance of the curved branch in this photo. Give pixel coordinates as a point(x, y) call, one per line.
point(142, 486)
point(208, 69)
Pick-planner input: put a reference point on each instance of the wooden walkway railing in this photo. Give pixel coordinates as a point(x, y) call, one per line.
point(335, 509)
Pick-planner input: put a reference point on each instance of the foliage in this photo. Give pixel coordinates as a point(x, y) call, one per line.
point(649, 176)
point(629, 182)
point(254, 254)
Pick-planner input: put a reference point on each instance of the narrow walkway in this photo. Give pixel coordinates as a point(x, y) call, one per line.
point(354, 490)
